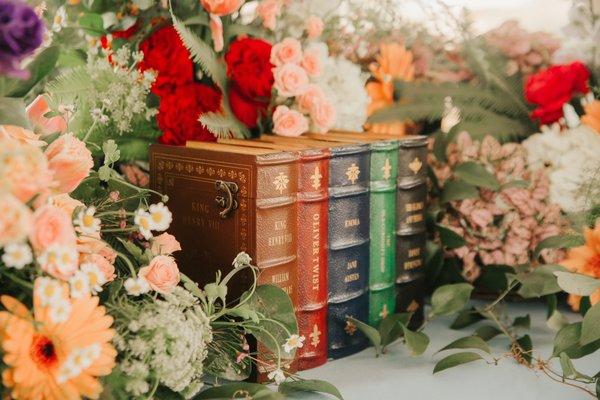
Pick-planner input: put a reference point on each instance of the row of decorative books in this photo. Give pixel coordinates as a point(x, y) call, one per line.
point(336, 220)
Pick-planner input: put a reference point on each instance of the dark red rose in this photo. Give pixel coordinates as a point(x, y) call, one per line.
point(249, 68)
point(247, 111)
point(552, 87)
point(180, 109)
point(165, 53)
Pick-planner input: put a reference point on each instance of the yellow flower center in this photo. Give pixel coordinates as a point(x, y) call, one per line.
point(88, 220)
point(157, 217)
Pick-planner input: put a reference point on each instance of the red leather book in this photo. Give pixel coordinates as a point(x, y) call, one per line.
point(228, 199)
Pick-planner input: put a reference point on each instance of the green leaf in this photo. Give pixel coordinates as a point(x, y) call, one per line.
point(468, 342)
point(578, 284)
point(449, 238)
point(12, 112)
point(526, 347)
point(390, 328)
point(310, 385)
point(558, 242)
point(517, 183)
point(134, 250)
point(584, 305)
point(569, 370)
point(475, 174)
point(456, 359)
point(466, 318)
point(458, 190)
point(416, 342)
point(566, 339)
point(111, 152)
point(233, 389)
point(522, 322)
point(104, 173)
point(590, 326)
point(449, 299)
point(192, 287)
point(539, 282)
point(552, 304)
point(371, 333)
point(92, 24)
point(41, 66)
point(434, 260)
point(487, 332)
point(556, 321)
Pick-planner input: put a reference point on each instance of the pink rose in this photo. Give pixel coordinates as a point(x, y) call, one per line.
point(15, 220)
point(323, 116)
point(312, 63)
point(221, 7)
point(268, 10)
point(290, 80)
point(70, 160)
point(311, 97)
point(314, 27)
point(288, 51)
point(287, 122)
point(165, 244)
point(162, 274)
point(21, 135)
point(51, 225)
point(107, 268)
point(45, 126)
point(65, 203)
point(87, 245)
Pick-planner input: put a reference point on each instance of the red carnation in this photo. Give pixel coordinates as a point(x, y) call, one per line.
point(180, 109)
point(247, 111)
point(551, 88)
point(165, 53)
point(127, 33)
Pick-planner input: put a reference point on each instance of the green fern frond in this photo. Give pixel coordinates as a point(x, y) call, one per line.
point(66, 87)
point(222, 125)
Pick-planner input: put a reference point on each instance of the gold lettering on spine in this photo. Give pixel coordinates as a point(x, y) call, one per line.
point(316, 250)
point(349, 223)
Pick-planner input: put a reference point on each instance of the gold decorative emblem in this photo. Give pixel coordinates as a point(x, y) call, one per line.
point(350, 328)
point(413, 306)
point(316, 333)
point(281, 182)
point(384, 311)
point(387, 168)
point(415, 165)
point(316, 178)
point(352, 173)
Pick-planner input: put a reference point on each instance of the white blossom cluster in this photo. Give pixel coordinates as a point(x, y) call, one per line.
point(571, 159)
point(166, 341)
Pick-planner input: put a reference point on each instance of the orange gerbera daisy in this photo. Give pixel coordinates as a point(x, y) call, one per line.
point(592, 115)
point(394, 62)
point(585, 260)
point(55, 361)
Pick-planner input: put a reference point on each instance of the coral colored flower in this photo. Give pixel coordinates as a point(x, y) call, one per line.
point(51, 225)
point(21, 135)
point(592, 115)
point(314, 27)
point(36, 349)
point(43, 125)
point(585, 260)
point(323, 116)
point(164, 244)
point(70, 160)
point(312, 62)
point(15, 220)
point(290, 80)
point(103, 264)
point(289, 50)
point(65, 203)
point(268, 11)
point(216, 32)
point(288, 122)
point(161, 274)
point(218, 9)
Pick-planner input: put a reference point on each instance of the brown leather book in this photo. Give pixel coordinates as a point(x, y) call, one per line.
point(313, 178)
point(228, 199)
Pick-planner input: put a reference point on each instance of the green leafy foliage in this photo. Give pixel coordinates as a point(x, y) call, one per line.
point(541, 281)
point(39, 68)
point(558, 242)
point(449, 238)
point(449, 299)
point(456, 359)
point(310, 385)
point(590, 326)
point(526, 347)
point(12, 112)
point(578, 284)
point(458, 190)
point(476, 174)
point(487, 332)
point(522, 322)
point(469, 342)
point(466, 318)
point(416, 342)
point(256, 390)
point(371, 333)
point(92, 24)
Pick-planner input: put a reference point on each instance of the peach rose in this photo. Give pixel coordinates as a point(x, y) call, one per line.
point(312, 62)
point(45, 126)
point(162, 274)
point(221, 7)
point(15, 220)
point(314, 27)
point(70, 160)
point(164, 244)
point(24, 169)
point(107, 268)
point(87, 245)
point(287, 122)
point(51, 225)
point(268, 10)
point(290, 80)
point(65, 203)
point(309, 99)
point(21, 135)
point(323, 116)
point(288, 51)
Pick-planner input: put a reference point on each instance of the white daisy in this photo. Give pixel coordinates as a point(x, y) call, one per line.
point(60, 311)
point(293, 342)
point(161, 217)
point(136, 286)
point(143, 222)
point(59, 260)
point(17, 255)
point(95, 276)
point(80, 285)
point(86, 223)
point(48, 290)
point(277, 375)
point(60, 19)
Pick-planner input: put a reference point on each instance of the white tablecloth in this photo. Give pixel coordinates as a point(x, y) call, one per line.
point(397, 375)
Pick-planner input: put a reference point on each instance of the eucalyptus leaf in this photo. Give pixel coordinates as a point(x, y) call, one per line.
point(390, 328)
point(526, 347)
point(92, 24)
point(310, 385)
point(449, 238)
point(557, 321)
point(522, 322)
point(584, 305)
point(468, 342)
point(539, 282)
point(458, 190)
point(466, 318)
point(456, 359)
point(371, 333)
point(39, 68)
point(12, 112)
point(590, 326)
point(558, 242)
point(487, 332)
point(476, 174)
point(449, 299)
point(416, 342)
point(578, 284)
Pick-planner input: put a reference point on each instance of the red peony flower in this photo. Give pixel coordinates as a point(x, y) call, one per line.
point(165, 53)
point(552, 87)
point(250, 71)
point(179, 110)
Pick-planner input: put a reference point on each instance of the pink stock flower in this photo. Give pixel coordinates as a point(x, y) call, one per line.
point(290, 80)
point(268, 11)
point(164, 244)
point(51, 226)
point(288, 122)
point(288, 51)
point(312, 62)
point(43, 125)
point(162, 274)
point(314, 27)
point(70, 160)
point(15, 220)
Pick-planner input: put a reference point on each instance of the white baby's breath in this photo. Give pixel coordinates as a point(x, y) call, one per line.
point(17, 255)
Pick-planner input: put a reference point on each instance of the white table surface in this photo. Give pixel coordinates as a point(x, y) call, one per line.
point(397, 375)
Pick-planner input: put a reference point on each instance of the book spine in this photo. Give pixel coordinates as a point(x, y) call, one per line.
point(275, 231)
point(382, 272)
point(313, 177)
point(348, 259)
point(410, 227)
